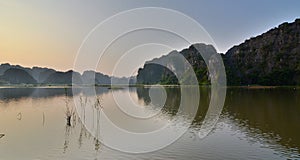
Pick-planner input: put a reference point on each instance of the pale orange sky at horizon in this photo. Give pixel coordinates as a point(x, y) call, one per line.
point(49, 33)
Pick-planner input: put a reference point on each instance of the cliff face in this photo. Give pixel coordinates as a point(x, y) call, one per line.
point(153, 73)
point(272, 58)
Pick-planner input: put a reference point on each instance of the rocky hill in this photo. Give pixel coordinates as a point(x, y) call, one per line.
point(92, 77)
point(38, 73)
point(153, 72)
point(272, 58)
point(17, 76)
point(41, 74)
point(69, 77)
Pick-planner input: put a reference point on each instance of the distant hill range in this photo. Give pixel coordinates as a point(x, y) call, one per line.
point(16, 74)
point(272, 58)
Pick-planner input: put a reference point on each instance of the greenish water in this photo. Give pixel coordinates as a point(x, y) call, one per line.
point(254, 124)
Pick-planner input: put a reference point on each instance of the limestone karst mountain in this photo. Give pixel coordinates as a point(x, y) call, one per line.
point(272, 58)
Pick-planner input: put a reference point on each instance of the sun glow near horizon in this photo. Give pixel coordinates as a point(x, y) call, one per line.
point(49, 33)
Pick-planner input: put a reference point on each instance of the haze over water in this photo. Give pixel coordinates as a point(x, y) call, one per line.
point(254, 124)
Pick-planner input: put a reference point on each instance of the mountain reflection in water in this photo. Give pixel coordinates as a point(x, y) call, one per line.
point(263, 121)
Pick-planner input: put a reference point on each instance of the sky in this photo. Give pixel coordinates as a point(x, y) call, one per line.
point(49, 33)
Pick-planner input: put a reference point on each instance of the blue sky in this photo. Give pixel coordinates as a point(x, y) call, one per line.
point(230, 22)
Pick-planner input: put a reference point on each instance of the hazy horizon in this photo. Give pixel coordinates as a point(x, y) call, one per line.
point(49, 34)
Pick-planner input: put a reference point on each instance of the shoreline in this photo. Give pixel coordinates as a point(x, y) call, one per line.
point(139, 85)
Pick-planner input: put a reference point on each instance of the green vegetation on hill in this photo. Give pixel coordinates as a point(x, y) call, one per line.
point(272, 58)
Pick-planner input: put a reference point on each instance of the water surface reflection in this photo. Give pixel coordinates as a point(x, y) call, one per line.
point(255, 124)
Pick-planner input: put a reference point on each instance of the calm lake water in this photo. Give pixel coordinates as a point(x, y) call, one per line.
point(254, 124)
